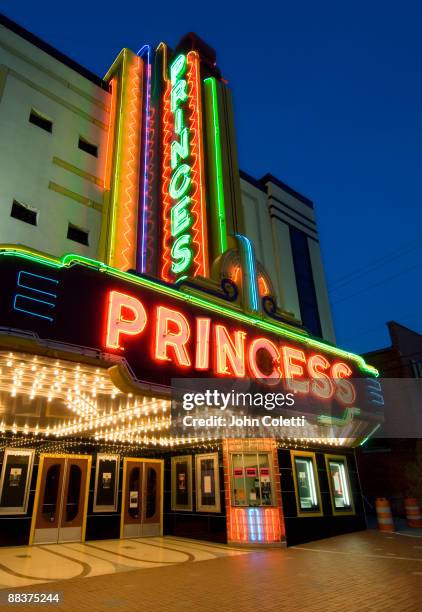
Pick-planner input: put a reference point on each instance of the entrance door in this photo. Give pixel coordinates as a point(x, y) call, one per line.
point(61, 499)
point(142, 505)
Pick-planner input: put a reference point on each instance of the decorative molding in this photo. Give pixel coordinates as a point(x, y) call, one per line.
point(75, 196)
point(71, 168)
point(294, 223)
point(291, 208)
point(61, 101)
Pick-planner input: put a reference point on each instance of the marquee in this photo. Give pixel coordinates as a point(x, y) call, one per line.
point(159, 332)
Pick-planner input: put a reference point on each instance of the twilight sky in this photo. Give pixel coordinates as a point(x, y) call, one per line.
point(328, 97)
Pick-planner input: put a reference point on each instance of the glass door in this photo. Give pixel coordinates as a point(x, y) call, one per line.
point(142, 498)
point(60, 499)
point(48, 495)
point(151, 518)
point(73, 501)
point(132, 505)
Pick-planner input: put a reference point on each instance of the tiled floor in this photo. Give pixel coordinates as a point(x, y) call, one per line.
point(27, 565)
point(361, 572)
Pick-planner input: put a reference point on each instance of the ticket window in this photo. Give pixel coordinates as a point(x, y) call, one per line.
point(305, 476)
point(340, 491)
point(251, 480)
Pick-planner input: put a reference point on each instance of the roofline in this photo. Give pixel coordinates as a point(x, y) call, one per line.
point(269, 178)
point(58, 55)
point(385, 349)
point(253, 181)
point(412, 331)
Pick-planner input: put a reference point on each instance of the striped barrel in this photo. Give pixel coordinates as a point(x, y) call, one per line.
point(385, 520)
point(413, 512)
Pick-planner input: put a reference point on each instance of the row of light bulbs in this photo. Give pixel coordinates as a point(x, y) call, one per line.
point(85, 390)
point(40, 377)
point(99, 408)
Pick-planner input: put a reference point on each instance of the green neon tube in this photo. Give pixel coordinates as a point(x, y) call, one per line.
point(71, 259)
point(211, 88)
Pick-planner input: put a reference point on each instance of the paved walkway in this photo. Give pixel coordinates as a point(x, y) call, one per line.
point(362, 572)
point(34, 565)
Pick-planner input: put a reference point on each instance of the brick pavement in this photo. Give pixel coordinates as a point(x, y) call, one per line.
point(365, 572)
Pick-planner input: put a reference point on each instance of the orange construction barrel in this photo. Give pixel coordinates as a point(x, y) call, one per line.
point(413, 512)
point(385, 520)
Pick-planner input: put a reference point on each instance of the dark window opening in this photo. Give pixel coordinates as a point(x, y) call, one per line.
point(305, 281)
point(40, 121)
point(151, 501)
point(73, 493)
point(77, 234)
point(23, 213)
point(88, 147)
point(51, 493)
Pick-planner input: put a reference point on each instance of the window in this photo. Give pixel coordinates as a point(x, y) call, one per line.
point(24, 213)
point(341, 495)
point(77, 234)
point(308, 498)
point(305, 281)
point(251, 480)
point(416, 368)
point(151, 502)
point(87, 146)
point(40, 121)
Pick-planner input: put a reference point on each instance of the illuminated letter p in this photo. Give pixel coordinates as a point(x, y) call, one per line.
point(126, 315)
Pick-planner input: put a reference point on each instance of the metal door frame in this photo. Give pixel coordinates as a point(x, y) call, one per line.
point(38, 489)
point(143, 460)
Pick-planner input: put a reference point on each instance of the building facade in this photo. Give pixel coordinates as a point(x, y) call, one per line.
point(135, 252)
point(391, 467)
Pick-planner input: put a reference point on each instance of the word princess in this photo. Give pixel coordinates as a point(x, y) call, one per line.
point(194, 345)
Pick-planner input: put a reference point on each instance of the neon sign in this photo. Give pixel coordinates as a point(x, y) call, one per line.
point(154, 333)
point(197, 344)
point(184, 249)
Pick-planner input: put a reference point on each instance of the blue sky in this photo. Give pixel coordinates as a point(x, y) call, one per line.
point(328, 97)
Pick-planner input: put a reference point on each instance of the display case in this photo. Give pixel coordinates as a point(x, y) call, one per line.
point(15, 480)
point(305, 477)
point(181, 483)
point(106, 483)
point(340, 490)
point(207, 483)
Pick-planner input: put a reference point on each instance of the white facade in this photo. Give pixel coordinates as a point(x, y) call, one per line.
point(270, 209)
point(47, 171)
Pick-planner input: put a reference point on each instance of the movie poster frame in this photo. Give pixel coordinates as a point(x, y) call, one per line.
point(200, 507)
point(107, 507)
point(10, 451)
point(174, 462)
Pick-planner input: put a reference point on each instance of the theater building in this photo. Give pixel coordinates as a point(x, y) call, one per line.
point(133, 251)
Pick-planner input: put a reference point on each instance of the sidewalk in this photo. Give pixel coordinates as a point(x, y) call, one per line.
point(361, 572)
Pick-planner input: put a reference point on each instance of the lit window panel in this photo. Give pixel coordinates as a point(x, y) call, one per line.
point(308, 498)
point(340, 490)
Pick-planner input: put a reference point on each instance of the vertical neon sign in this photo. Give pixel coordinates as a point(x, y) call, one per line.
point(145, 53)
point(122, 221)
point(185, 245)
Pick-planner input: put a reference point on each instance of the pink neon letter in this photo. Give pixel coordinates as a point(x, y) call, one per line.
point(345, 393)
point(118, 323)
point(263, 344)
point(228, 351)
point(173, 332)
